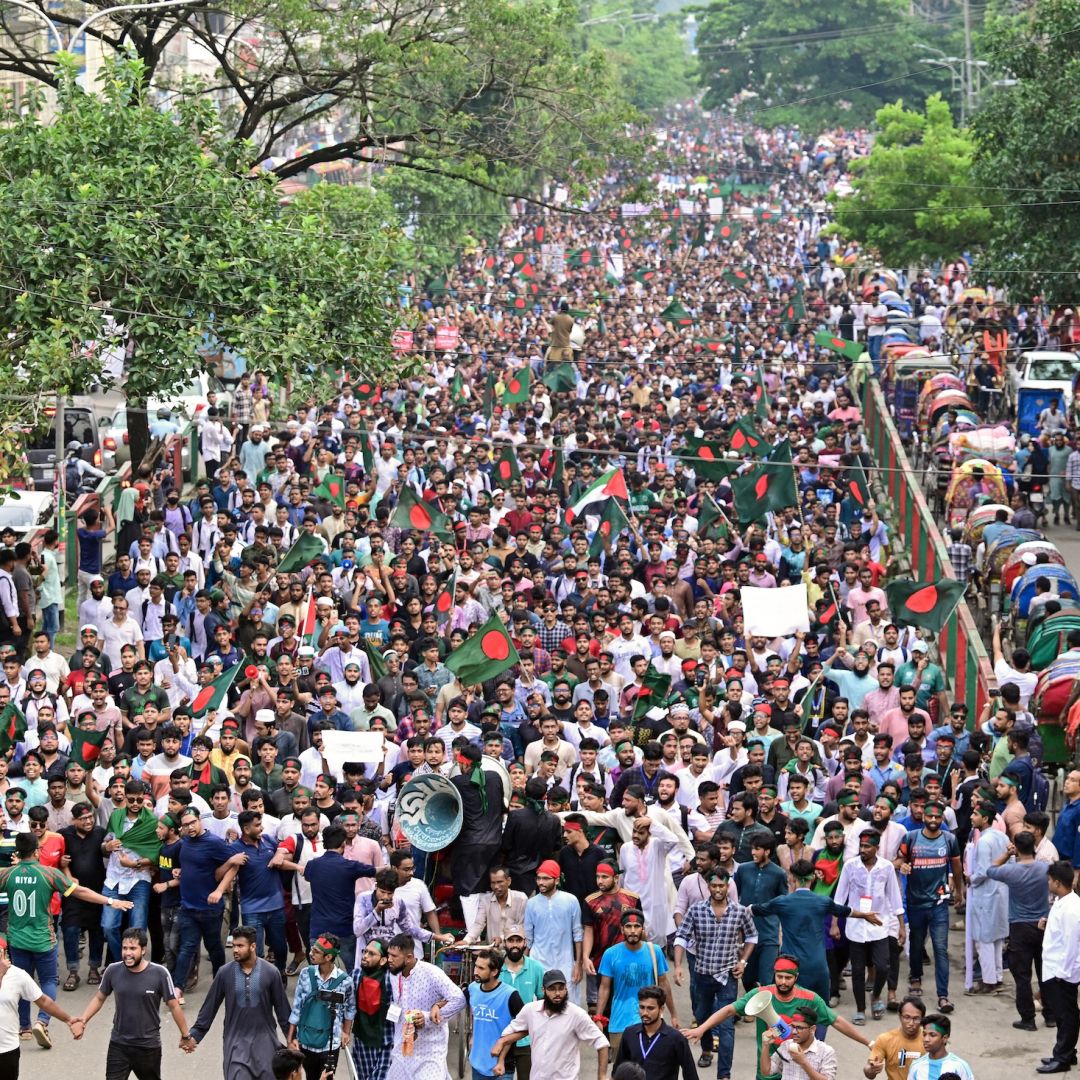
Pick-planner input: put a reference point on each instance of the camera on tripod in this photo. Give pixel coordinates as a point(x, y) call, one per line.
point(332, 997)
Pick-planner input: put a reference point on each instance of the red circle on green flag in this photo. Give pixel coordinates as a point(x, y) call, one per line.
point(419, 518)
point(514, 387)
point(494, 645)
point(837, 343)
point(202, 699)
point(504, 470)
point(364, 388)
point(334, 488)
point(761, 486)
point(706, 454)
point(444, 601)
point(856, 492)
point(738, 441)
point(725, 231)
point(605, 527)
point(923, 600)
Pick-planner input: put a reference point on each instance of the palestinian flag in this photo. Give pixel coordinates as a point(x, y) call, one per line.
point(771, 486)
point(856, 486)
point(712, 524)
point(332, 489)
point(729, 230)
point(652, 693)
point(304, 551)
point(489, 652)
point(925, 604)
point(12, 726)
point(736, 277)
point(444, 600)
point(611, 485)
point(709, 459)
point(746, 440)
point(365, 390)
point(677, 314)
point(560, 378)
point(506, 467)
point(86, 745)
point(852, 350)
point(582, 257)
point(213, 695)
point(517, 387)
point(458, 393)
point(412, 512)
point(645, 276)
point(612, 522)
point(833, 614)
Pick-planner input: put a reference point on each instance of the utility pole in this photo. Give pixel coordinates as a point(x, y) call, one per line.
point(968, 86)
point(61, 454)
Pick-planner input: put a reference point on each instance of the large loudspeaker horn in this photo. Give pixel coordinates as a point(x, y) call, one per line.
point(430, 812)
point(761, 1006)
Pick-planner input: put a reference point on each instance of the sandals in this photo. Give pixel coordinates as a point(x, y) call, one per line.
point(877, 1009)
point(72, 981)
point(858, 1019)
point(94, 977)
point(915, 987)
point(945, 1005)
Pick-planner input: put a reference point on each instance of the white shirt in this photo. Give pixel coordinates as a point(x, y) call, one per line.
point(920, 1069)
point(1025, 680)
point(16, 986)
point(880, 884)
point(116, 635)
point(1061, 941)
point(555, 1037)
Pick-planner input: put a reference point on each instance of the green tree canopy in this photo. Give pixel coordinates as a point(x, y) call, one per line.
point(816, 65)
point(915, 199)
point(124, 226)
point(1027, 143)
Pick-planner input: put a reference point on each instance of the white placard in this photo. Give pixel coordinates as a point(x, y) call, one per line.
point(775, 612)
point(342, 746)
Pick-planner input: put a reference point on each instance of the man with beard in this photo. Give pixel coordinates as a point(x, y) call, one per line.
point(847, 816)
point(602, 915)
point(644, 863)
point(254, 995)
point(373, 1032)
point(556, 1027)
point(417, 988)
point(553, 925)
point(525, 975)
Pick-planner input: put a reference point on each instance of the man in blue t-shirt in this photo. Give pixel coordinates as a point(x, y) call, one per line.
point(333, 890)
point(91, 536)
point(931, 863)
point(261, 894)
point(205, 878)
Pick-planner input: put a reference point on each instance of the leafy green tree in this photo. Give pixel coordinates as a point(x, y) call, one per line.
point(915, 199)
point(123, 226)
point(817, 65)
point(1027, 143)
point(445, 88)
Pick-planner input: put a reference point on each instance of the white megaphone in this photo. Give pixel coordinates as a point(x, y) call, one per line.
point(761, 1006)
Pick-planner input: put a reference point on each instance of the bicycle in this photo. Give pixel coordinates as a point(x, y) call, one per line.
point(460, 969)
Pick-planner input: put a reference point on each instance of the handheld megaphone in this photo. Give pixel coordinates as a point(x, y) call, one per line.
point(761, 1006)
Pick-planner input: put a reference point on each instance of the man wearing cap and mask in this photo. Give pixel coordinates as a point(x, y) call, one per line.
point(556, 1028)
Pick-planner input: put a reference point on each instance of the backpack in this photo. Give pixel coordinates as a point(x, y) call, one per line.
point(72, 475)
point(315, 1028)
point(1036, 792)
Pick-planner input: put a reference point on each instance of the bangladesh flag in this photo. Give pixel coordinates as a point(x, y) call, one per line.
point(701, 234)
point(582, 257)
point(795, 311)
point(86, 745)
point(712, 524)
point(729, 230)
point(489, 652)
point(375, 659)
point(306, 550)
point(652, 693)
point(213, 695)
point(833, 614)
point(506, 467)
point(611, 485)
point(365, 390)
point(457, 389)
point(517, 387)
point(736, 277)
point(519, 258)
point(412, 512)
point(709, 459)
point(612, 522)
point(12, 726)
point(850, 349)
point(306, 631)
point(515, 302)
point(444, 600)
point(560, 378)
point(712, 344)
point(856, 486)
point(918, 603)
point(746, 440)
point(488, 401)
point(677, 314)
point(645, 276)
point(771, 486)
point(332, 489)
point(365, 449)
point(626, 241)
point(766, 215)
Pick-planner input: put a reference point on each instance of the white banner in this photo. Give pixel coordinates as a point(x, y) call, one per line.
point(688, 206)
point(716, 206)
point(774, 612)
point(342, 746)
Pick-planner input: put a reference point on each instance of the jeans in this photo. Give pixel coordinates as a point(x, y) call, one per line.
point(1025, 952)
point(713, 996)
point(50, 621)
point(112, 919)
point(44, 965)
point(934, 920)
point(270, 930)
point(195, 926)
point(96, 938)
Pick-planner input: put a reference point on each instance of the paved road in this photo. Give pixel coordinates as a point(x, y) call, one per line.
point(983, 1036)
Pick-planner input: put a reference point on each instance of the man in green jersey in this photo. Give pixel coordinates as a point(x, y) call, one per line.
point(30, 888)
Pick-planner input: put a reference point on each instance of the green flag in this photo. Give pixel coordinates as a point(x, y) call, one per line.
point(851, 349)
point(213, 695)
point(771, 486)
point(736, 277)
point(332, 489)
point(612, 522)
point(365, 448)
point(745, 439)
point(506, 467)
point(855, 485)
point(925, 604)
point(488, 403)
point(457, 389)
point(375, 659)
point(653, 692)
point(86, 745)
point(489, 652)
point(412, 512)
point(728, 230)
point(436, 287)
point(445, 599)
point(677, 314)
point(583, 257)
point(712, 525)
point(560, 378)
point(517, 387)
point(709, 459)
point(12, 726)
point(700, 235)
point(305, 550)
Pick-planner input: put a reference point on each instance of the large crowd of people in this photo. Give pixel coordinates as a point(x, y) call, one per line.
point(527, 568)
